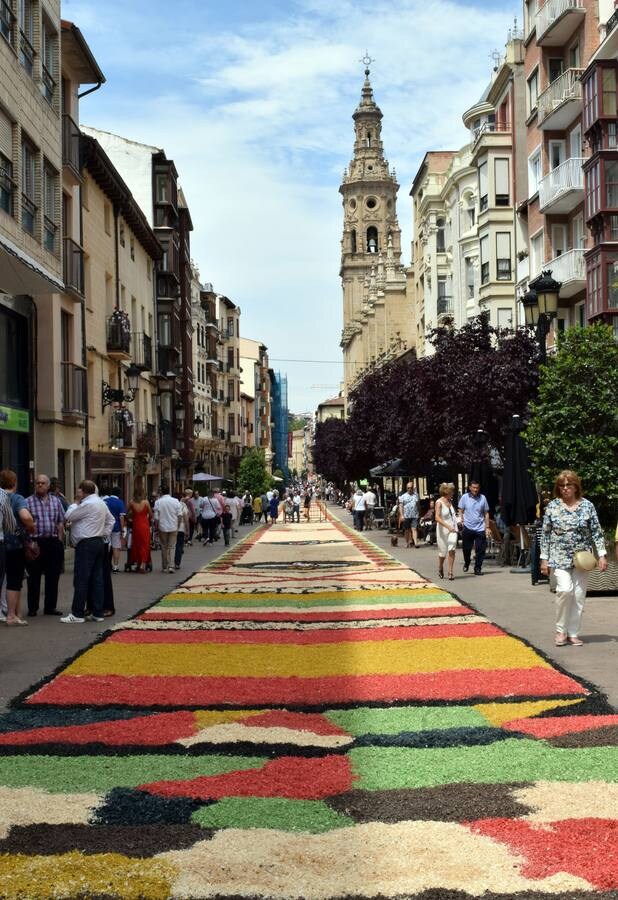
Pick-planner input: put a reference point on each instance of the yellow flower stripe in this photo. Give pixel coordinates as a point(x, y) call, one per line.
point(308, 661)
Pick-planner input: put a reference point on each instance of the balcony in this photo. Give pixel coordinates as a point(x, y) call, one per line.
point(570, 269)
point(118, 328)
point(490, 128)
point(563, 188)
point(73, 388)
point(556, 21)
point(121, 430)
point(561, 102)
point(445, 306)
point(145, 439)
point(142, 351)
point(167, 360)
point(70, 145)
point(73, 267)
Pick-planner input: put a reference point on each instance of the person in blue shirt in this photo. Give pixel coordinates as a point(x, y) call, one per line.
point(475, 511)
point(118, 510)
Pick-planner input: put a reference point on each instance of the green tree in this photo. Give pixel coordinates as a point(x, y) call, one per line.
point(252, 473)
point(295, 423)
point(574, 423)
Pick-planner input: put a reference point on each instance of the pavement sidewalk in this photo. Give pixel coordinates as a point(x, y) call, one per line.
point(30, 654)
point(512, 602)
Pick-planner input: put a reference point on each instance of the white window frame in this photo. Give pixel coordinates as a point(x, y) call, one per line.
point(534, 162)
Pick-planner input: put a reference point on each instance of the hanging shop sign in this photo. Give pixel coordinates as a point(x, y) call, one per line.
point(12, 419)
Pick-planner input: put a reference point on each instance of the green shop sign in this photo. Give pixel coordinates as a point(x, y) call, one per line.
point(14, 419)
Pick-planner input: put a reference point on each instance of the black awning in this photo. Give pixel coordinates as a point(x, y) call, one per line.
point(392, 467)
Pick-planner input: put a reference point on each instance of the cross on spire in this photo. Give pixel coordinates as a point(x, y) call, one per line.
point(366, 61)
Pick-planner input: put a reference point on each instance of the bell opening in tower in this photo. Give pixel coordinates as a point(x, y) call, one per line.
point(353, 240)
point(372, 239)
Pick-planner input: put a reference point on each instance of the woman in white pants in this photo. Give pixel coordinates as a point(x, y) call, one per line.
point(570, 524)
point(446, 529)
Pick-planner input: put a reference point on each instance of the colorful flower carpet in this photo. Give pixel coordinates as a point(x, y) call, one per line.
point(308, 718)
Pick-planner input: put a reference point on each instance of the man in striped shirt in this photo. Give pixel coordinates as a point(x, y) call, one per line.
point(48, 514)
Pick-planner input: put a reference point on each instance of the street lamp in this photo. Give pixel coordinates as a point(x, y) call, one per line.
point(117, 395)
point(198, 424)
point(541, 306)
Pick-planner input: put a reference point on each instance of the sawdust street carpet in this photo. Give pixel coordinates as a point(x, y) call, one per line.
point(308, 718)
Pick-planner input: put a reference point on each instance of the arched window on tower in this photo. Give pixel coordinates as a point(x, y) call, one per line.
point(372, 239)
point(353, 240)
point(368, 139)
point(440, 236)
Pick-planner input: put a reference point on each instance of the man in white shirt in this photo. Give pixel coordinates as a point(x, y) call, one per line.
point(167, 515)
point(296, 506)
point(370, 501)
point(91, 524)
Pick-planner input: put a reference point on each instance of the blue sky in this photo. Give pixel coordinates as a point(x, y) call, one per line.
point(253, 100)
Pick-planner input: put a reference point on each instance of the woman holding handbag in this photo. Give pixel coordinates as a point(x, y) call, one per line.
point(570, 532)
point(447, 530)
point(14, 544)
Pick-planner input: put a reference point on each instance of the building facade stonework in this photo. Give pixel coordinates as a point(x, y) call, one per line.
point(377, 319)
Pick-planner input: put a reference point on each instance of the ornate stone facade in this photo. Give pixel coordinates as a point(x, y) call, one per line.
point(377, 317)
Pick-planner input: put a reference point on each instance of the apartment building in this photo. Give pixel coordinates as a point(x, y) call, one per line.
point(204, 392)
point(120, 257)
point(256, 383)
point(560, 39)
point(334, 408)
point(229, 360)
point(600, 128)
point(209, 396)
point(153, 181)
point(30, 144)
point(498, 135)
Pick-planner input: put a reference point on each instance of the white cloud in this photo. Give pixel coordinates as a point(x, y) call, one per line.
point(258, 119)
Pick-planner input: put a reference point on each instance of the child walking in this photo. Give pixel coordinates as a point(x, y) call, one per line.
point(226, 523)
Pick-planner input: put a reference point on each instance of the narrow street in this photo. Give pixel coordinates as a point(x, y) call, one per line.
point(307, 717)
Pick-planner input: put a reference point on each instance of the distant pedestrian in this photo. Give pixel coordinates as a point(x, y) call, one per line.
point(408, 514)
point(265, 506)
point(116, 506)
point(474, 509)
point(226, 524)
point(167, 515)
point(210, 518)
point(48, 514)
point(55, 488)
point(296, 504)
point(307, 504)
point(183, 531)
point(190, 503)
point(140, 518)
point(91, 524)
point(274, 508)
point(570, 525)
point(257, 508)
point(359, 509)
point(447, 529)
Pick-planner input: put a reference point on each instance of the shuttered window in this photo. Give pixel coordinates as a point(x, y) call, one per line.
point(502, 182)
point(503, 256)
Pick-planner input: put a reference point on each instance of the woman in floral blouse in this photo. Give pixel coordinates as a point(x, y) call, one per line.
point(570, 524)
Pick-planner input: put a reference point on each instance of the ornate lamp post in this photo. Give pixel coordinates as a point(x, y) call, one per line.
point(541, 306)
point(111, 395)
point(198, 424)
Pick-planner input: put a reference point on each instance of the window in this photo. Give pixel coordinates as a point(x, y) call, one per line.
point(7, 185)
point(471, 214)
point(505, 317)
point(50, 191)
point(470, 278)
point(534, 172)
point(502, 182)
point(533, 91)
point(611, 135)
point(593, 192)
point(132, 248)
point(353, 240)
point(503, 256)
point(7, 21)
point(579, 235)
point(440, 241)
point(575, 142)
point(484, 260)
point(121, 233)
point(593, 298)
point(574, 56)
point(165, 329)
point(612, 284)
point(26, 35)
point(613, 228)
point(611, 183)
point(536, 253)
point(28, 186)
point(49, 43)
point(591, 101)
point(608, 103)
point(483, 186)
point(107, 218)
point(558, 240)
point(555, 68)
point(556, 154)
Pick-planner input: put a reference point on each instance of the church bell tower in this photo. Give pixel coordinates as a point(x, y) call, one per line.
point(371, 242)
